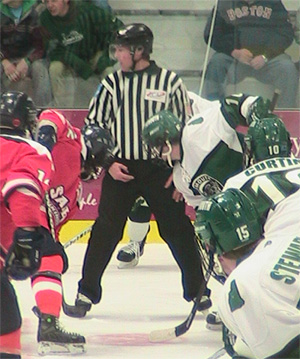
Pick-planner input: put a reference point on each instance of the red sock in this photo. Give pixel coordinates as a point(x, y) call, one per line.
point(48, 289)
point(11, 343)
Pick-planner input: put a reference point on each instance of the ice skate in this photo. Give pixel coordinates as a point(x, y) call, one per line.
point(205, 302)
point(204, 305)
point(54, 339)
point(213, 321)
point(130, 254)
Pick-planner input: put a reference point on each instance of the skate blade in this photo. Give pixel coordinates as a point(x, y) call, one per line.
point(215, 327)
point(126, 265)
point(48, 348)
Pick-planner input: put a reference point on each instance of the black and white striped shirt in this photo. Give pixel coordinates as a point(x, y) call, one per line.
point(125, 100)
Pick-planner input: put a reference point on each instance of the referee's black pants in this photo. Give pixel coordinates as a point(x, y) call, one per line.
point(174, 226)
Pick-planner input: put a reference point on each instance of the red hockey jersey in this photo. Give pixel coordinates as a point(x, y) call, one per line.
point(65, 187)
point(25, 171)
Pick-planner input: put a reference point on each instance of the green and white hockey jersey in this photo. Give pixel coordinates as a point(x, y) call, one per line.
point(260, 301)
point(211, 148)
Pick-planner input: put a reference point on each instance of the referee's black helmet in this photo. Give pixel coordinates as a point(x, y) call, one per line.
point(134, 35)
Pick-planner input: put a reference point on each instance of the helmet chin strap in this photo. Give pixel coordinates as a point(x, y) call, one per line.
point(168, 154)
point(132, 52)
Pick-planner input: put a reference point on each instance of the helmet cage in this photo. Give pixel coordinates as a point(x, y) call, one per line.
point(99, 144)
point(162, 129)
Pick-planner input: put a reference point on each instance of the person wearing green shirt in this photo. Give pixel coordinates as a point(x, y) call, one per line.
point(77, 35)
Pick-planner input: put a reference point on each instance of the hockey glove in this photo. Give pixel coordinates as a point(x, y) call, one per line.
point(258, 110)
point(24, 256)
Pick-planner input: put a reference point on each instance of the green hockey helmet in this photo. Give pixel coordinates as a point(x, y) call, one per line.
point(164, 127)
point(267, 138)
point(227, 221)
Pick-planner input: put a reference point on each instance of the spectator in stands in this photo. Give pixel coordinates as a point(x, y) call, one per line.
point(77, 36)
point(250, 39)
point(22, 52)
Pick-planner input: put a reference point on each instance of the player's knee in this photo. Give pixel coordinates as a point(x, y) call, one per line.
point(56, 69)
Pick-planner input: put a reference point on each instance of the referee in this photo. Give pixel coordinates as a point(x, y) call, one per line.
point(123, 103)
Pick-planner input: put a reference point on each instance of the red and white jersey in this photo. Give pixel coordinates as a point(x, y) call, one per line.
point(25, 171)
point(65, 186)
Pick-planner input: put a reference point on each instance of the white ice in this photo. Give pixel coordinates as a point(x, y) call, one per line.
point(135, 302)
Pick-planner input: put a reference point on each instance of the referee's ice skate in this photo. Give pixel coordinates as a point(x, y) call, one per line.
point(129, 255)
point(54, 339)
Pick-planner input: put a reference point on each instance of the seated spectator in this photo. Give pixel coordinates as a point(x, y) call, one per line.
point(250, 39)
point(22, 52)
point(77, 36)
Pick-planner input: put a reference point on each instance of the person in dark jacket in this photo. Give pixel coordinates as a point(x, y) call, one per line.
point(22, 52)
point(77, 35)
point(250, 39)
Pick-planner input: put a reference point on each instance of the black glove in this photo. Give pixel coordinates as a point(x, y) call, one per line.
point(258, 110)
point(24, 256)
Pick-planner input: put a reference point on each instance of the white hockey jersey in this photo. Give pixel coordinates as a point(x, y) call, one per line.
point(260, 301)
point(211, 148)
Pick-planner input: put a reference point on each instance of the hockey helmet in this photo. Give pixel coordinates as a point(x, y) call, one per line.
point(164, 127)
point(267, 138)
point(227, 221)
point(99, 145)
point(17, 112)
point(133, 36)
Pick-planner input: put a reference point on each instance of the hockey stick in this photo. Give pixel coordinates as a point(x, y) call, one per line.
point(72, 310)
point(78, 236)
point(172, 333)
point(274, 100)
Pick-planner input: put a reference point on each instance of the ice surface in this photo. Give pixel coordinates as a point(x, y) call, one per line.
point(135, 301)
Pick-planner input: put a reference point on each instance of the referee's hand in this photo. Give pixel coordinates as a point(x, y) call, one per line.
point(119, 172)
point(177, 196)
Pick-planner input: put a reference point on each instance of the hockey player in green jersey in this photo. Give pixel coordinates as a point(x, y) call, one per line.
point(254, 228)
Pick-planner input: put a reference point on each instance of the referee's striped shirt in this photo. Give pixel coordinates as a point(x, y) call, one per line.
point(125, 100)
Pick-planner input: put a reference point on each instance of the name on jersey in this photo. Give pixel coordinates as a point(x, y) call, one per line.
point(288, 265)
point(58, 204)
point(245, 11)
point(155, 95)
point(275, 163)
